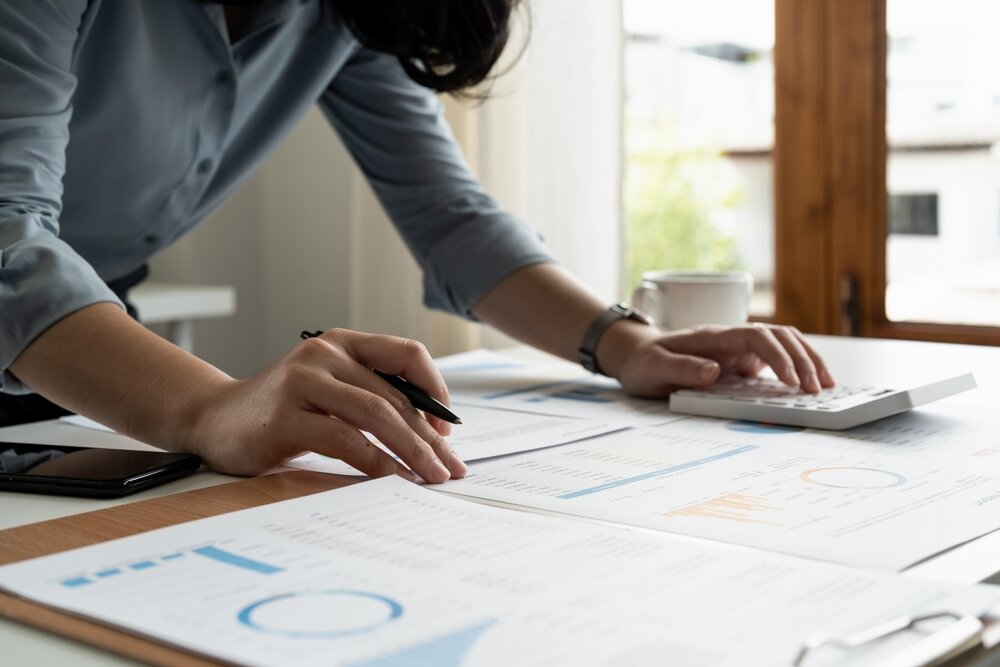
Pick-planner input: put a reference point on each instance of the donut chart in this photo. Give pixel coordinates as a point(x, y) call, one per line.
point(850, 477)
point(324, 614)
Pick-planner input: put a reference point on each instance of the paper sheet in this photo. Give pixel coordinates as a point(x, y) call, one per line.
point(956, 436)
point(485, 433)
point(85, 422)
point(837, 499)
point(493, 380)
point(384, 574)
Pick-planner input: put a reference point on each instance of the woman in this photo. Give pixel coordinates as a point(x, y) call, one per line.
point(122, 124)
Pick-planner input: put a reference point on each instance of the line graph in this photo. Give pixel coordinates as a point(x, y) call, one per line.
point(661, 472)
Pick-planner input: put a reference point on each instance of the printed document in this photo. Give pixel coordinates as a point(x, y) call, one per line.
point(385, 573)
point(498, 381)
point(833, 498)
point(485, 433)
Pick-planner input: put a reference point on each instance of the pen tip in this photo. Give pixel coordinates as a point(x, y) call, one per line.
point(458, 421)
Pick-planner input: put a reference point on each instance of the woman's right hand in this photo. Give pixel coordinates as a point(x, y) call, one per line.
point(320, 397)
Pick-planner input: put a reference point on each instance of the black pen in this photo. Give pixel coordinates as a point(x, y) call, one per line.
point(417, 396)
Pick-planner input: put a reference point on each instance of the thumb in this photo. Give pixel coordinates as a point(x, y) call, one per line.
point(684, 370)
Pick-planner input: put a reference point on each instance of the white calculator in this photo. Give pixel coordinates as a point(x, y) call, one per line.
point(771, 401)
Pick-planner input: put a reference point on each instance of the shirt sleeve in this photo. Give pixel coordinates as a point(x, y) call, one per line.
point(395, 130)
point(42, 279)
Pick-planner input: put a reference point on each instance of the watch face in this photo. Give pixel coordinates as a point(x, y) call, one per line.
point(633, 314)
point(642, 317)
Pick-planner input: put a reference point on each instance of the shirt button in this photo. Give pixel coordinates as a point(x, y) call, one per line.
point(152, 239)
point(204, 166)
point(223, 77)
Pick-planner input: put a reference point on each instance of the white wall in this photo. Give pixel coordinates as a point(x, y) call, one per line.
point(283, 241)
point(223, 250)
point(968, 187)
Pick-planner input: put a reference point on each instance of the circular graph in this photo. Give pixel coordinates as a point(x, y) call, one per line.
point(320, 614)
point(760, 427)
point(853, 478)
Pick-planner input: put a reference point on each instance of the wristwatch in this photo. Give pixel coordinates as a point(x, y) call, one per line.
point(588, 348)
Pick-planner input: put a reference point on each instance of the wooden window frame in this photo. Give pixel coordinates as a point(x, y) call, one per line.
point(830, 174)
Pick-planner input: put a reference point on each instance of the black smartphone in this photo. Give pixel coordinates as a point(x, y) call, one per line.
point(86, 471)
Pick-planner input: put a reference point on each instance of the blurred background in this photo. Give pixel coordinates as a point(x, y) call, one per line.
point(642, 134)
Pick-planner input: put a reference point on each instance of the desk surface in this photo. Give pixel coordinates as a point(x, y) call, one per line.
point(852, 360)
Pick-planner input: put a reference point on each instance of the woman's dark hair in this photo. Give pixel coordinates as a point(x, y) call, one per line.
point(445, 45)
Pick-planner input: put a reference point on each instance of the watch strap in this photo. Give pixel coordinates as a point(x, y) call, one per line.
point(588, 348)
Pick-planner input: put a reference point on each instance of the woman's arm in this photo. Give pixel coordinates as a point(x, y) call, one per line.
point(101, 363)
point(63, 334)
point(544, 306)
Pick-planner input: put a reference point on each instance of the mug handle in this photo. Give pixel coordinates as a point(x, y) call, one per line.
point(646, 298)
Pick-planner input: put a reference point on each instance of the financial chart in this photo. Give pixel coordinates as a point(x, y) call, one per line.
point(847, 501)
point(386, 574)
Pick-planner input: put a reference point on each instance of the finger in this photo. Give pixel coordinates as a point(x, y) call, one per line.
point(334, 438)
point(359, 376)
point(399, 356)
point(682, 370)
point(438, 424)
point(337, 357)
point(804, 366)
point(822, 370)
point(749, 365)
point(367, 411)
point(762, 342)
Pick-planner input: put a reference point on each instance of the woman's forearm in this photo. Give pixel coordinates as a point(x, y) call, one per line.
point(322, 396)
point(101, 363)
point(544, 306)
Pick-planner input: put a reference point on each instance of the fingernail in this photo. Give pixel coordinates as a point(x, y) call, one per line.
point(708, 371)
point(440, 473)
point(457, 465)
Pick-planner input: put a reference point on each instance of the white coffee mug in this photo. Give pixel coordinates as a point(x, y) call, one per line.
point(680, 299)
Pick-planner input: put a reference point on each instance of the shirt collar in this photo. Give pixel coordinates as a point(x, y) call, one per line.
point(269, 14)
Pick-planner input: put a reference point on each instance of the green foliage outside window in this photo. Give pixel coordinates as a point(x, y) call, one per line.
point(671, 197)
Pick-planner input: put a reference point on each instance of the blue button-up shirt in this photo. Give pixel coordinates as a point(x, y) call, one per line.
point(125, 122)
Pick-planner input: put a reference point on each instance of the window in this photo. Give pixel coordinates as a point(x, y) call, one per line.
point(699, 136)
point(846, 152)
point(876, 97)
point(915, 215)
point(943, 122)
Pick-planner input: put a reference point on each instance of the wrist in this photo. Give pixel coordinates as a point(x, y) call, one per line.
point(612, 346)
point(618, 343)
point(195, 422)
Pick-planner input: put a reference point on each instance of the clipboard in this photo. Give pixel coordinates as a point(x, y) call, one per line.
point(80, 530)
point(965, 642)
